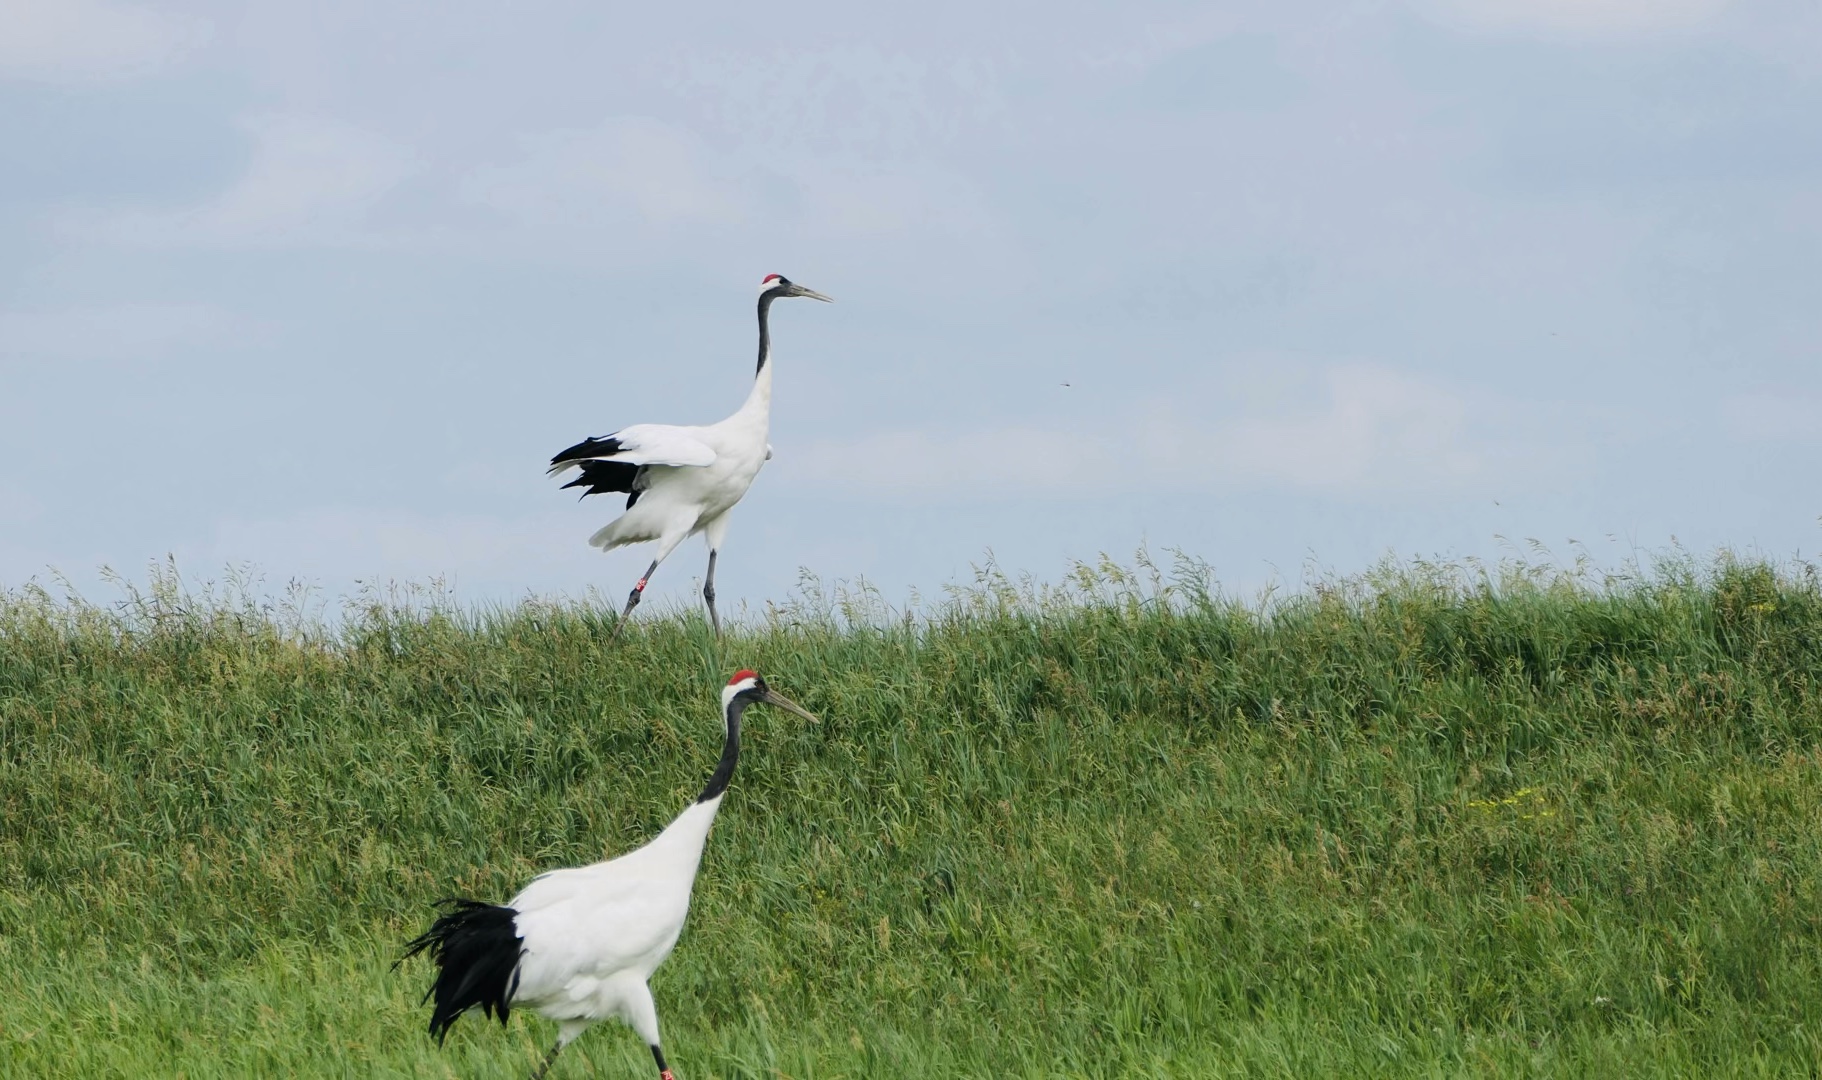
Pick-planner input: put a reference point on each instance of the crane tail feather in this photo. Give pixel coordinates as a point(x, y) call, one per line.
point(585, 450)
point(476, 947)
point(601, 477)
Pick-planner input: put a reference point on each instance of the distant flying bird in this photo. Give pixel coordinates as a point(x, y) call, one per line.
point(577, 946)
point(682, 480)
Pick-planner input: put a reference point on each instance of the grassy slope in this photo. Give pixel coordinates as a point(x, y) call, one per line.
point(1406, 827)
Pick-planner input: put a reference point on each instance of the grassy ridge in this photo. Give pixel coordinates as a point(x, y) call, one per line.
point(1421, 823)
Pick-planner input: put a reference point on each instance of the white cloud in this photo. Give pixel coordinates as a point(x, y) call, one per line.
point(18, 507)
point(1374, 428)
point(121, 332)
point(1773, 417)
point(309, 174)
point(376, 545)
point(1138, 45)
point(852, 200)
point(975, 465)
point(873, 100)
point(1366, 429)
point(84, 40)
point(312, 180)
point(629, 167)
point(635, 168)
point(1571, 18)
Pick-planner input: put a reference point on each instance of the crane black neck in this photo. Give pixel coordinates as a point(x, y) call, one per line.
point(730, 751)
point(765, 333)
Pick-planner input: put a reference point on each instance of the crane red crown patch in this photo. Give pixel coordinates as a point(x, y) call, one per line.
point(743, 674)
point(769, 278)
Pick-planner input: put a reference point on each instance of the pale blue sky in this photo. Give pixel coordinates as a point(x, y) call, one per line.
point(321, 286)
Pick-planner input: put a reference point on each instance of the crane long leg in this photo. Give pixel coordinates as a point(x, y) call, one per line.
point(708, 592)
point(544, 1066)
point(633, 600)
point(663, 1072)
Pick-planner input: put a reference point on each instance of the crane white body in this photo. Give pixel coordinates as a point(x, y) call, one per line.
point(579, 946)
point(691, 476)
point(681, 480)
point(594, 934)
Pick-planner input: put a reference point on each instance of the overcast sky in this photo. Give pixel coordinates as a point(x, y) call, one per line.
point(320, 286)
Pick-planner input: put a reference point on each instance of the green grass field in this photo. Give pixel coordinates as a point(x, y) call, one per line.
point(1432, 822)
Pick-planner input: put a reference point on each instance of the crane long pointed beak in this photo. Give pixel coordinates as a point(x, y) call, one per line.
point(773, 697)
point(812, 294)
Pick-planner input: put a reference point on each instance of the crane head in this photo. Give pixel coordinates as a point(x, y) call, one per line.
point(778, 287)
point(747, 687)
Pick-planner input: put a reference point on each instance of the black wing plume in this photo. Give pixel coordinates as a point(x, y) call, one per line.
point(601, 477)
point(476, 949)
point(606, 446)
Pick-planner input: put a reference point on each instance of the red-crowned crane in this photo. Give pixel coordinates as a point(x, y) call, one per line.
point(680, 481)
point(578, 945)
